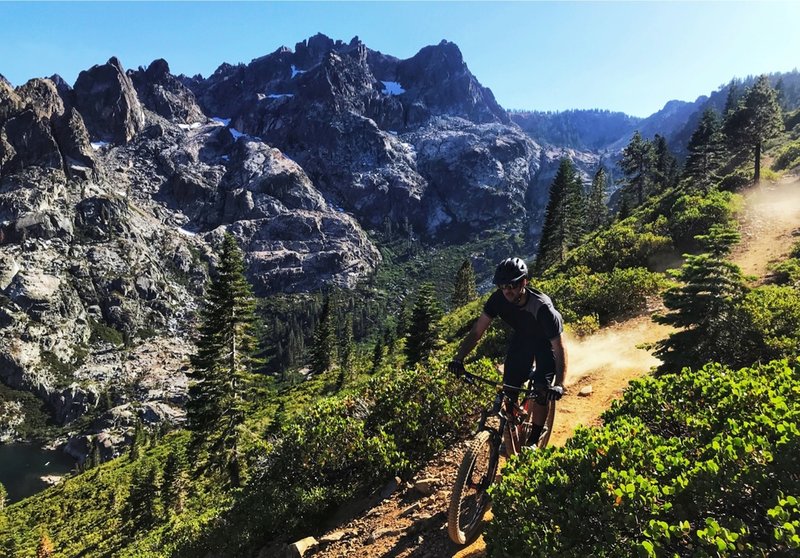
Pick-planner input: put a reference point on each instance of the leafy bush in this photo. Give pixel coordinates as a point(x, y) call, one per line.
point(624, 244)
point(735, 181)
point(694, 214)
point(607, 296)
point(788, 157)
point(702, 463)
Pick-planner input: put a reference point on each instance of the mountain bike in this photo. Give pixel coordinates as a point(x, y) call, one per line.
point(505, 421)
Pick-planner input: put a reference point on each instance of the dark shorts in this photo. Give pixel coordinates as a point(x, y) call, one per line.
point(521, 357)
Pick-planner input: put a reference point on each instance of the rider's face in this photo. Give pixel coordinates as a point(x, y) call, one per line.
point(512, 291)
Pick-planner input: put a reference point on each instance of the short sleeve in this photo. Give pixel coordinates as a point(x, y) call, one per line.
point(551, 321)
point(492, 306)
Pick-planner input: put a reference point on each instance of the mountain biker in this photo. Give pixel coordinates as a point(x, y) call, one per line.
point(538, 329)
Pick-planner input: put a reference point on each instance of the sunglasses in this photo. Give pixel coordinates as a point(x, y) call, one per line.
point(509, 286)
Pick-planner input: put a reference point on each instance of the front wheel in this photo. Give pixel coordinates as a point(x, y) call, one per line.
point(470, 498)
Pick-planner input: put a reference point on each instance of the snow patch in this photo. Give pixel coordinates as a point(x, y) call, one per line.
point(99, 144)
point(236, 133)
point(185, 232)
point(192, 126)
point(279, 95)
point(392, 88)
point(223, 121)
point(296, 72)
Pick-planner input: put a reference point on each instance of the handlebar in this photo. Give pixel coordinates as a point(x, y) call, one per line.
point(470, 378)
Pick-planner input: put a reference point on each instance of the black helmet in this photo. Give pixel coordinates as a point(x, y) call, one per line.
point(510, 270)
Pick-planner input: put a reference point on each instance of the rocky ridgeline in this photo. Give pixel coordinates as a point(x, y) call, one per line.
point(115, 191)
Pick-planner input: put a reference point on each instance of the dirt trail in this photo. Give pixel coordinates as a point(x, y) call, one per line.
point(411, 522)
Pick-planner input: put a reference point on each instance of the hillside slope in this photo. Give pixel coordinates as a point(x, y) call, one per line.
point(412, 522)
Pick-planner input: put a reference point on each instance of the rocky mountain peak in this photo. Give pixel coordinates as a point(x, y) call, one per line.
point(107, 100)
point(161, 92)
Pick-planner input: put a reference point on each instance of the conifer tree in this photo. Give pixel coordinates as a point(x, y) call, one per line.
point(706, 151)
point(464, 286)
point(637, 166)
point(138, 440)
point(174, 482)
point(222, 363)
point(665, 165)
point(596, 208)
point(703, 305)
point(757, 120)
point(377, 355)
point(3, 497)
point(423, 336)
point(142, 503)
point(323, 349)
point(564, 218)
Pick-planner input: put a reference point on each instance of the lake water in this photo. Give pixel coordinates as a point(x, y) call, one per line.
point(22, 467)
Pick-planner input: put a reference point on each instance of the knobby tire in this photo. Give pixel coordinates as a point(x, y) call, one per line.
point(470, 499)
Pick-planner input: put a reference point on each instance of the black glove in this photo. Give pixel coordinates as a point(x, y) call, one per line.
point(457, 368)
point(554, 393)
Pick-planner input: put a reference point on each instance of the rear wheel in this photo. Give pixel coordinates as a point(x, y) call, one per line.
point(470, 499)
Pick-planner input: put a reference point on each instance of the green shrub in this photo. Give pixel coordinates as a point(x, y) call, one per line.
point(100, 332)
point(702, 463)
point(694, 214)
point(788, 157)
point(624, 244)
point(607, 296)
point(735, 181)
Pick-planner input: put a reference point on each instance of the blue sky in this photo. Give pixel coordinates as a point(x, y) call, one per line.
point(625, 56)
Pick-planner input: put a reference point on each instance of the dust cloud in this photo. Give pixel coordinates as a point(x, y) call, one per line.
point(614, 351)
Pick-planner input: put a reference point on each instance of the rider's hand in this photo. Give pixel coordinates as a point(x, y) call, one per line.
point(554, 393)
point(456, 367)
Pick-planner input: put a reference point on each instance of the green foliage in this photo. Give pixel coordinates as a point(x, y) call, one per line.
point(464, 285)
point(626, 243)
point(766, 325)
point(564, 218)
point(221, 363)
point(703, 306)
point(701, 463)
point(100, 332)
point(706, 152)
point(606, 296)
point(755, 120)
point(423, 336)
point(788, 157)
point(637, 166)
point(693, 214)
point(323, 350)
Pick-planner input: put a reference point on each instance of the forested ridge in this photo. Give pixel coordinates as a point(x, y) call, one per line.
point(699, 460)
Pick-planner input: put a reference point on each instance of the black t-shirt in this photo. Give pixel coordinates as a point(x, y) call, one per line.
point(538, 319)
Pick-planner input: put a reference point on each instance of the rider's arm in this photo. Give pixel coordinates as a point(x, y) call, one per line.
point(560, 354)
point(474, 335)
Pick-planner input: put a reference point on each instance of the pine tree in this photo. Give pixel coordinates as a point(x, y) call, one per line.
point(761, 119)
point(141, 507)
point(423, 336)
point(637, 166)
point(346, 350)
point(323, 349)
point(464, 286)
point(174, 482)
point(564, 219)
point(596, 208)
point(45, 547)
point(221, 364)
point(377, 355)
point(665, 165)
point(703, 305)
point(706, 151)
point(138, 440)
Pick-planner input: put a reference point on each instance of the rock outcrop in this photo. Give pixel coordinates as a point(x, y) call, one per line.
point(107, 100)
point(162, 93)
